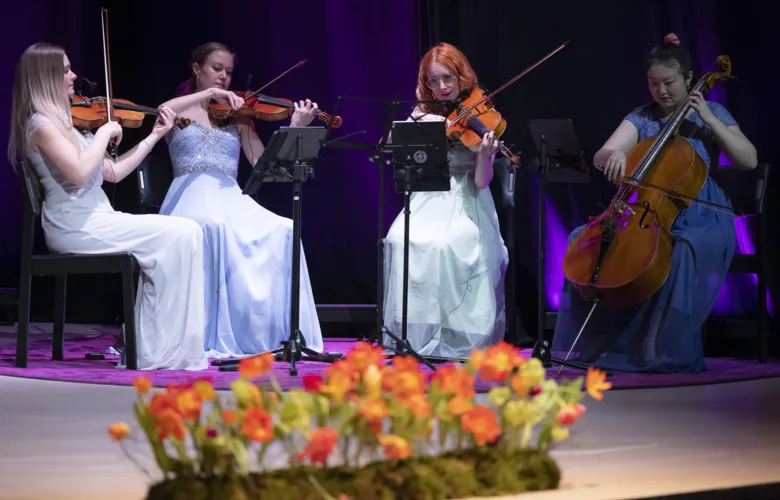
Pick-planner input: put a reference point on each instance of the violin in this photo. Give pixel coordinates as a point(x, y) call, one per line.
point(92, 112)
point(623, 256)
point(475, 115)
point(266, 108)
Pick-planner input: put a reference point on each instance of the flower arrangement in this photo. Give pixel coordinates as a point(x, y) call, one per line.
point(376, 419)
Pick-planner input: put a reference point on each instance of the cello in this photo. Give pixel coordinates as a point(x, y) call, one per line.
point(623, 256)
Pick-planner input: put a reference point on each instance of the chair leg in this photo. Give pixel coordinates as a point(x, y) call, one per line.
point(23, 318)
point(128, 309)
point(58, 340)
point(763, 327)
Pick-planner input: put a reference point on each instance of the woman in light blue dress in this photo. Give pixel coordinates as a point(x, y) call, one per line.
point(663, 334)
point(248, 249)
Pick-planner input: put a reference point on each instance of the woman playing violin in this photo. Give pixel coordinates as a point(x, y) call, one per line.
point(457, 258)
point(248, 248)
point(77, 216)
point(663, 334)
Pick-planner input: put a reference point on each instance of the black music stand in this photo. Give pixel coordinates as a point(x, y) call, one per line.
point(560, 160)
point(420, 158)
point(290, 155)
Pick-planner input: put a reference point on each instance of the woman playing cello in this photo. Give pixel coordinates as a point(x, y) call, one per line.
point(663, 334)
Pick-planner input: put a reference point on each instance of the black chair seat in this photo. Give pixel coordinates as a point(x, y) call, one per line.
point(68, 263)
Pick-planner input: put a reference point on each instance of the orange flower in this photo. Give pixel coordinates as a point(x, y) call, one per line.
point(406, 364)
point(169, 423)
point(373, 410)
point(404, 383)
point(500, 360)
point(595, 383)
point(189, 404)
point(569, 414)
point(459, 405)
point(119, 430)
point(229, 416)
point(482, 424)
point(256, 366)
point(205, 390)
point(363, 356)
point(142, 384)
point(395, 447)
point(164, 401)
point(418, 404)
point(323, 440)
point(453, 380)
point(258, 425)
point(337, 386)
point(521, 386)
point(476, 359)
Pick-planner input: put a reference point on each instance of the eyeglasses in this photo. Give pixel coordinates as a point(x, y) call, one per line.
point(433, 83)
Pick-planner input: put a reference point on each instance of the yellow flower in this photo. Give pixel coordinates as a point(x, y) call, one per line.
point(247, 394)
point(372, 378)
point(517, 412)
point(499, 395)
point(296, 410)
point(204, 389)
point(532, 371)
point(395, 447)
point(119, 430)
point(560, 433)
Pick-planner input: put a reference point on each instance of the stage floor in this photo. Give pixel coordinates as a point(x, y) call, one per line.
point(636, 443)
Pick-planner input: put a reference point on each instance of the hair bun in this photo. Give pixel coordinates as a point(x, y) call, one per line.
point(672, 38)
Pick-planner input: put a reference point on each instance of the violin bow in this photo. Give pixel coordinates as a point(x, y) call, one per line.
point(296, 66)
point(109, 81)
point(513, 80)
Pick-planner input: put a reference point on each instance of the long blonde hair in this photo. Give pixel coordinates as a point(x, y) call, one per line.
point(39, 88)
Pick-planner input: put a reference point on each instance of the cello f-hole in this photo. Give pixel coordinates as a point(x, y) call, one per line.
point(642, 223)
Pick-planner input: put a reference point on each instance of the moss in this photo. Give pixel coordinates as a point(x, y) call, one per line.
point(477, 472)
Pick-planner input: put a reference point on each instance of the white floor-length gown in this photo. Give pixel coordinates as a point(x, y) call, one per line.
point(457, 264)
point(169, 305)
point(248, 262)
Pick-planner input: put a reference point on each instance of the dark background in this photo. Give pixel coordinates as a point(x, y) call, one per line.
point(371, 49)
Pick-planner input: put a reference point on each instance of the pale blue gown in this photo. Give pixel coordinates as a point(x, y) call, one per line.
point(248, 249)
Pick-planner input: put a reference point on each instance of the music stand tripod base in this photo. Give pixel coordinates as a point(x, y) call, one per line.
point(290, 155)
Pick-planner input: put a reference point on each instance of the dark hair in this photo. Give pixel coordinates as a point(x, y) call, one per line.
point(669, 53)
point(200, 55)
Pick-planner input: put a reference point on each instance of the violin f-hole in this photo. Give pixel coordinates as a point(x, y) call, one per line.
point(642, 224)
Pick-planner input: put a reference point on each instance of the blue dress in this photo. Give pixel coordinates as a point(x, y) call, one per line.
point(662, 334)
point(248, 249)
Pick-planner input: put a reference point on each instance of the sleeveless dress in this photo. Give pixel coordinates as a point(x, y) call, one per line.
point(662, 334)
point(457, 264)
point(248, 249)
point(169, 313)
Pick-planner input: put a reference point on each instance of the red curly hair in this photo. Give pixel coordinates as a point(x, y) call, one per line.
point(455, 61)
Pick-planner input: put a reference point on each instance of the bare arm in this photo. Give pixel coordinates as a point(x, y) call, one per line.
point(483, 173)
point(735, 145)
point(250, 143)
point(117, 170)
point(185, 102)
point(76, 166)
point(625, 137)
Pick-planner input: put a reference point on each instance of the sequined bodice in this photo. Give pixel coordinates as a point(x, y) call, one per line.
point(198, 148)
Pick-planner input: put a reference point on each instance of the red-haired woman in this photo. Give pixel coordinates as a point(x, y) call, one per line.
point(457, 258)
